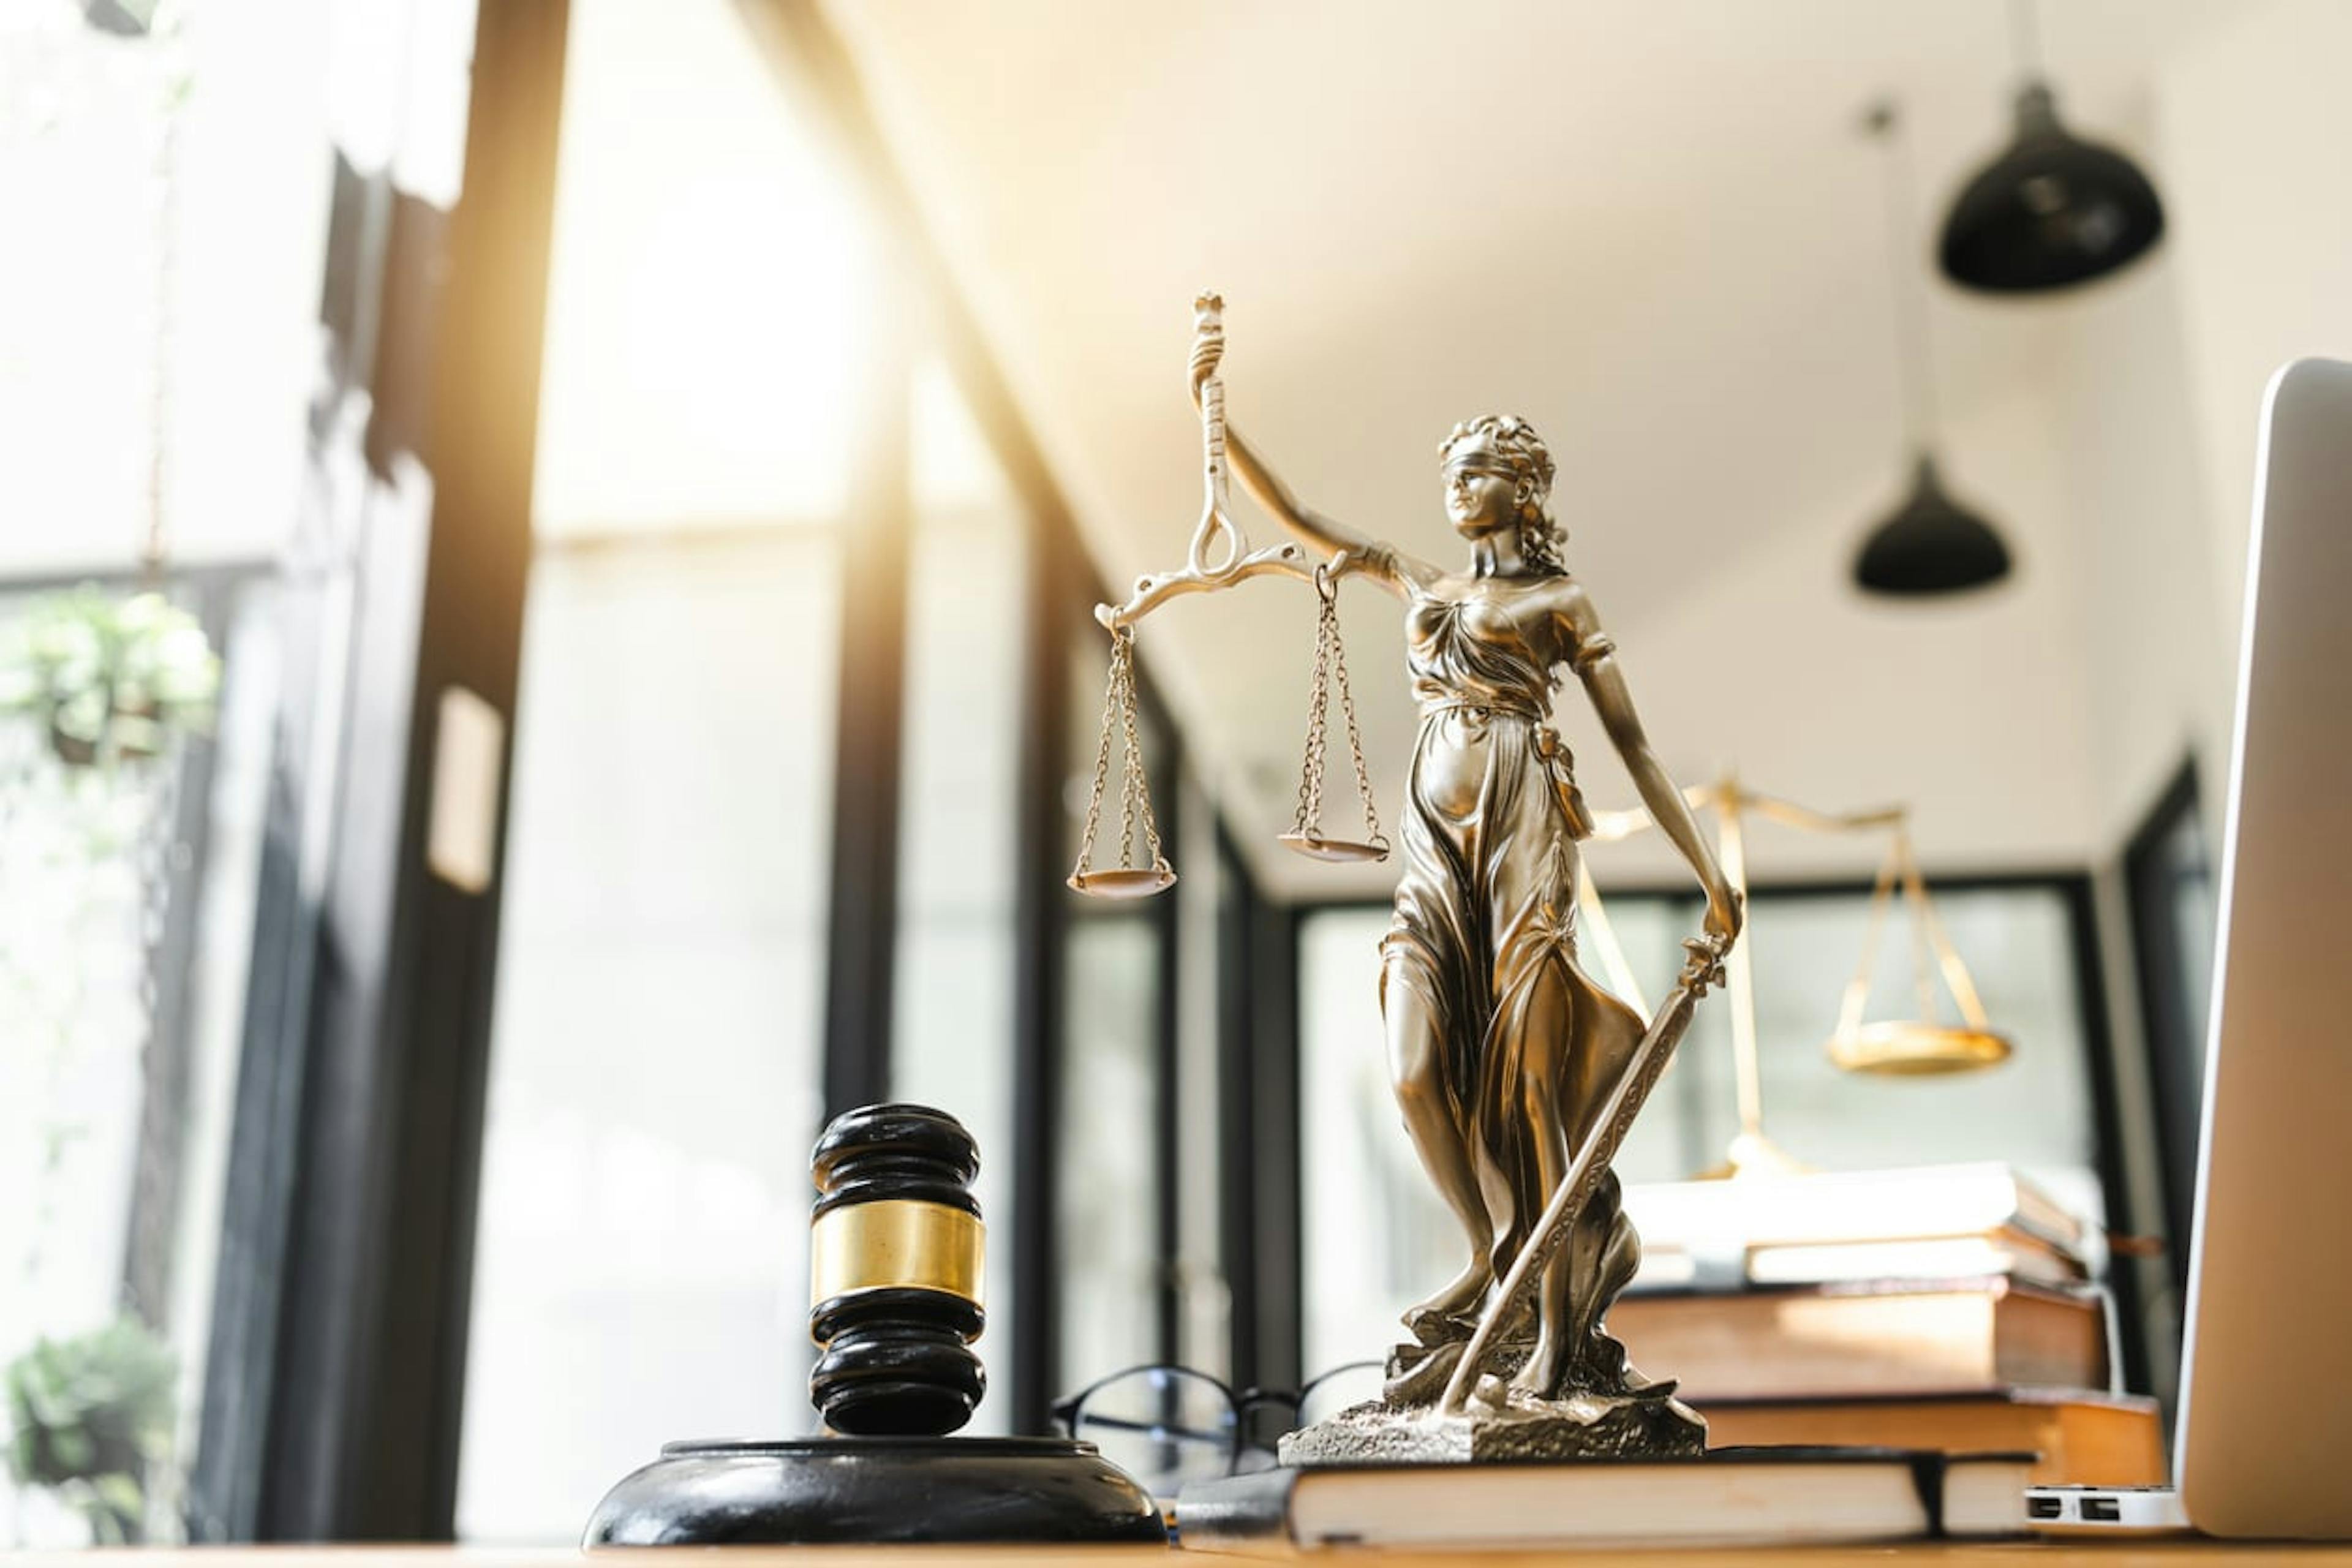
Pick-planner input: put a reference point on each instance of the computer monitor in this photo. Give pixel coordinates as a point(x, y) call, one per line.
point(2265, 1442)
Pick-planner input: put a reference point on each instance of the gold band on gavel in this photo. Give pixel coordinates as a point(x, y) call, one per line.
point(895, 1243)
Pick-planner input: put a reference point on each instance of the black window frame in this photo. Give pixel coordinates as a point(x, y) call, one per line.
point(2174, 1033)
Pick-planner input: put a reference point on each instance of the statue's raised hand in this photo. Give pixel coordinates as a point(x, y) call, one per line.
point(1726, 913)
point(1207, 350)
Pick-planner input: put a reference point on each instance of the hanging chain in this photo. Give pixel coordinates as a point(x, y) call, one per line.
point(1309, 818)
point(1134, 797)
point(1118, 715)
point(1347, 709)
point(1330, 658)
point(1102, 756)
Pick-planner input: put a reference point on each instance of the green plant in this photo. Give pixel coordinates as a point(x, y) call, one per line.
point(89, 1416)
point(114, 678)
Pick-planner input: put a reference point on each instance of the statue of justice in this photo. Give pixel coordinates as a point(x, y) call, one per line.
point(1516, 1075)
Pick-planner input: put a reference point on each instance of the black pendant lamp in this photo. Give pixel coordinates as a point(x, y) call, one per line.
point(1930, 545)
point(2052, 210)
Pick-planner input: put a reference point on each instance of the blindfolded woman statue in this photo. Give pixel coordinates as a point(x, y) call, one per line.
point(1502, 1049)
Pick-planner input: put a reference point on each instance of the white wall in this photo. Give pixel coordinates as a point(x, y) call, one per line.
point(1974, 711)
point(2161, 380)
point(2158, 651)
point(2253, 124)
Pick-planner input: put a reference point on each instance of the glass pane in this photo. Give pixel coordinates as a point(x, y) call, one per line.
point(1108, 1205)
point(708, 296)
point(641, 1261)
point(2034, 1111)
point(1331, 1392)
point(1106, 1209)
point(1376, 1236)
point(2188, 880)
point(641, 1268)
point(952, 1014)
point(1205, 1322)
point(166, 187)
point(125, 938)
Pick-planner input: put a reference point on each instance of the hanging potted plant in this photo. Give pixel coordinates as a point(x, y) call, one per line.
point(110, 679)
point(91, 1416)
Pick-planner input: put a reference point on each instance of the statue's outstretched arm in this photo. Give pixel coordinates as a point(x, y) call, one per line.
point(1595, 660)
point(1384, 564)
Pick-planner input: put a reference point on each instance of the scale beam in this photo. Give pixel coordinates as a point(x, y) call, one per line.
point(1151, 592)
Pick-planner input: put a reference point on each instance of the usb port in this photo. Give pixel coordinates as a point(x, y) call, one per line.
point(2103, 1510)
point(2043, 1508)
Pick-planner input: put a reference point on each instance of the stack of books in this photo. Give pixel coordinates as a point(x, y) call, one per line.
point(1947, 1308)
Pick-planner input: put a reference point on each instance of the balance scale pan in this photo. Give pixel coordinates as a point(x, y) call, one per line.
point(1910, 1048)
point(1344, 851)
point(1123, 882)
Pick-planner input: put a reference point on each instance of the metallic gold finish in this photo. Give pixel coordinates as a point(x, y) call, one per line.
point(1338, 851)
point(1919, 1047)
point(1305, 834)
point(895, 1243)
point(1701, 969)
point(1903, 1047)
point(1220, 555)
point(1516, 1075)
point(1123, 882)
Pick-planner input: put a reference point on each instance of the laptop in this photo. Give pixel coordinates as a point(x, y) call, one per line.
point(2264, 1447)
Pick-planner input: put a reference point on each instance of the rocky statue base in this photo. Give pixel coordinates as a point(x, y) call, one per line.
point(1643, 1421)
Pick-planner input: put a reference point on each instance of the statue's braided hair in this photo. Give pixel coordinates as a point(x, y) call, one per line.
point(1516, 441)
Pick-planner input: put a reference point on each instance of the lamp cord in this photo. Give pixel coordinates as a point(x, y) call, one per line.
point(2025, 38)
point(1914, 360)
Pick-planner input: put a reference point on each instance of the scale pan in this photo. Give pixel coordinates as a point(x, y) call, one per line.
point(1343, 851)
point(1123, 882)
point(1908, 1049)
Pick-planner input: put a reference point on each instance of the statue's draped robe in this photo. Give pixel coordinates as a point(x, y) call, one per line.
point(1484, 932)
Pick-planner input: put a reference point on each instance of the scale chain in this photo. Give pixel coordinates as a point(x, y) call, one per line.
point(1310, 773)
point(1102, 755)
point(1138, 791)
point(1355, 740)
point(1330, 656)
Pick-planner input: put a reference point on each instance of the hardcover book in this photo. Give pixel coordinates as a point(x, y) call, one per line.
point(2083, 1438)
point(1732, 1497)
point(1880, 1337)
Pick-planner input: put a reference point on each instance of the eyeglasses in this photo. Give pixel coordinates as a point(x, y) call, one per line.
point(1166, 1425)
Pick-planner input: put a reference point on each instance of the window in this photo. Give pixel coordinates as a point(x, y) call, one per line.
point(1116, 1054)
point(157, 342)
point(952, 1018)
point(656, 1071)
point(641, 1272)
point(124, 940)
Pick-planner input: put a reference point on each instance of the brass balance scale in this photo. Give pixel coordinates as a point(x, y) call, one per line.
point(1921, 1045)
point(1220, 558)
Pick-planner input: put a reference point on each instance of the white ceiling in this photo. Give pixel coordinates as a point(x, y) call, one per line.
point(1651, 227)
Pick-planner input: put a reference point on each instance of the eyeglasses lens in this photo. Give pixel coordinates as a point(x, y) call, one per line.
point(1339, 1389)
point(1267, 1418)
point(1164, 1426)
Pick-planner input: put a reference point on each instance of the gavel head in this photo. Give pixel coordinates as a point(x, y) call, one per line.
point(896, 1251)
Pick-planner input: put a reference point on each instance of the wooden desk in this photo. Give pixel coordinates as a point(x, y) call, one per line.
point(2179, 1553)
